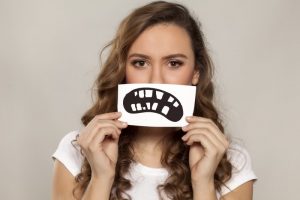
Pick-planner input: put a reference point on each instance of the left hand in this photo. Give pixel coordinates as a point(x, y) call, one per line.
point(207, 147)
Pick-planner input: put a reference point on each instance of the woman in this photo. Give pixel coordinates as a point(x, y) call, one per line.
point(107, 159)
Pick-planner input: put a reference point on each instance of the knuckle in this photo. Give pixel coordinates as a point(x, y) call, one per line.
point(83, 146)
point(91, 149)
point(193, 136)
point(211, 122)
point(202, 135)
point(206, 131)
point(103, 129)
point(227, 144)
point(98, 125)
point(96, 118)
point(79, 141)
point(223, 149)
point(215, 152)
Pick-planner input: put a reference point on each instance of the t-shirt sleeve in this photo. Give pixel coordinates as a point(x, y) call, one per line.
point(69, 153)
point(241, 168)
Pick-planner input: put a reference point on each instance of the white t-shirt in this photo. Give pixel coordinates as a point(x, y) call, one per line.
point(145, 179)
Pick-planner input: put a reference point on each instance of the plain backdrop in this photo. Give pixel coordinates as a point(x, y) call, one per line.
point(49, 58)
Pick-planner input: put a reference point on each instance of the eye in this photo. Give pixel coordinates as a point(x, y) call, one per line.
point(175, 63)
point(138, 63)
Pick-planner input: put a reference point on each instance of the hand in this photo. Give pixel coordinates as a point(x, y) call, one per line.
point(207, 147)
point(99, 142)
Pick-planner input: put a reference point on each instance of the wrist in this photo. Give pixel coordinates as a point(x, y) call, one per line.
point(106, 181)
point(204, 189)
point(93, 191)
point(203, 184)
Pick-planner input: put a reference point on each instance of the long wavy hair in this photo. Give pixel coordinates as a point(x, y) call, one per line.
point(175, 154)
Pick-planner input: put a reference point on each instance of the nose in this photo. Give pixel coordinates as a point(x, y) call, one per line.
point(156, 75)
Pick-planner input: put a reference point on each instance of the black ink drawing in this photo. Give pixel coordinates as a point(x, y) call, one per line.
point(153, 100)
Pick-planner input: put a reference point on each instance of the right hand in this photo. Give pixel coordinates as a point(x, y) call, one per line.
point(99, 142)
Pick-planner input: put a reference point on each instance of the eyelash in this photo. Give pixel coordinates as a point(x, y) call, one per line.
point(134, 62)
point(177, 63)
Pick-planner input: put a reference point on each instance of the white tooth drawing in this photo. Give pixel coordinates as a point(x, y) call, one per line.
point(133, 107)
point(176, 104)
point(159, 94)
point(149, 93)
point(170, 99)
point(148, 105)
point(154, 106)
point(138, 106)
point(165, 110)
point(141, 93)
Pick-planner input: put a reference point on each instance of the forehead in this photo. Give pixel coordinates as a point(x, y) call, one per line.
point(163, 39)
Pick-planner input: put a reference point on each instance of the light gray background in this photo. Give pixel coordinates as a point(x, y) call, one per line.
point(49, 60)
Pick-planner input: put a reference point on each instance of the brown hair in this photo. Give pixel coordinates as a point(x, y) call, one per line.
point(175, 155)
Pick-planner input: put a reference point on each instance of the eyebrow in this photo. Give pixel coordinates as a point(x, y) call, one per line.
point(165, 57)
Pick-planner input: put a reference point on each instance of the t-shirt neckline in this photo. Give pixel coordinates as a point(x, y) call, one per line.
point(150, 170)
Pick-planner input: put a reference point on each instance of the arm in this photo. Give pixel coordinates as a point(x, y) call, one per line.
point(99, 142)
point(243, 192)
point(207, 147)
point(64, 182)
point(204, 191)
point(98, 189)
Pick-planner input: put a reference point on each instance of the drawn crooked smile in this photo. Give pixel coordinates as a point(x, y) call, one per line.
point(153, 100)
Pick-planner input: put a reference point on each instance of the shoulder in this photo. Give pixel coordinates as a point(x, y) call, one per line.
point(68, 153)
point(242, 170)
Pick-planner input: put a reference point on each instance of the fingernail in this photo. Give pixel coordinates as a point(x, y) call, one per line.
point(188, 118)
point(124, 124)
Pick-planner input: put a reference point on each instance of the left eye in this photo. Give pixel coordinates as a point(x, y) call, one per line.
point(175, 63)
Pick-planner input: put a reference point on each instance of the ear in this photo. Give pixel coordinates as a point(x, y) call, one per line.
point(196, 76)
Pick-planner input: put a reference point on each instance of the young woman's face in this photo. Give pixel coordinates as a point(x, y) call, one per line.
point(162, 54)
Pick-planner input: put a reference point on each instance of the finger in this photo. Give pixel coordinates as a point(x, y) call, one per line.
point(208, 146)
point(200, 119)
point(205, 123)
point(92, 128)
point(221, 147)
point(103, 125)
point(111, 115)
point(117, 123)
point(98, 127)
point(207, 127)
point(100, 137)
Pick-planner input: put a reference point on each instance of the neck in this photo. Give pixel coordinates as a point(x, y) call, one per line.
point(150, 138)
point(148, 144)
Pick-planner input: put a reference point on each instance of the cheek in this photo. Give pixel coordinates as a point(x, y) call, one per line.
point(128, 75)
point(134, 76)
point(182, 77)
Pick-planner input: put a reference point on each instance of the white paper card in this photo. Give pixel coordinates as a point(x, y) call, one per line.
point(156, 105)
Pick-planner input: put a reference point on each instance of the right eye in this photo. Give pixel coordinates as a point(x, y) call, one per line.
point(138, 63)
